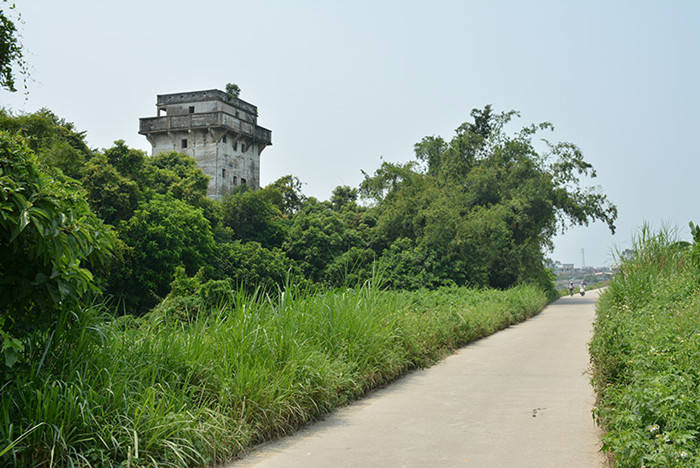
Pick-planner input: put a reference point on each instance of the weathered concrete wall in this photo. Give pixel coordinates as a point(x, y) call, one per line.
point(210, 106)
point(208, 95)
point(240, 165)
point(225, 162)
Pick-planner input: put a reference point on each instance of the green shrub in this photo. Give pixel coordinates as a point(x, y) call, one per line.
point(253, 266)
point(47, 237)
point(646, 357)
point(163, 233)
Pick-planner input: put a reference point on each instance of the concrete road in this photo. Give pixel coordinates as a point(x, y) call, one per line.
point(519, 398)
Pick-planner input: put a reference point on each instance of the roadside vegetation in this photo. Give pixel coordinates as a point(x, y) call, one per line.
point(646, 355)
point(173, 389)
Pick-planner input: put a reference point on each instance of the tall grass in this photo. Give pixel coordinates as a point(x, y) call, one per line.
point(646, 356)
point(164, 391)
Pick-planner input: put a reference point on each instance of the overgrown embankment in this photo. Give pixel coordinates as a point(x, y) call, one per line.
point(183, 390)
point(646, 356)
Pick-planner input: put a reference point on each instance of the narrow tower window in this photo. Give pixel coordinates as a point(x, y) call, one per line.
point(242, 147)
point(224, 139)
point(235, 180)
point(223, 174)
point(235, 146)
point(184, 142)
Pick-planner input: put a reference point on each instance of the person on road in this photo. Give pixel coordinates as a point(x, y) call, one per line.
point(582, 289)
point(571, 287)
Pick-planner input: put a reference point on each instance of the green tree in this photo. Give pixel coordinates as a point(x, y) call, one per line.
point(112, 196)
point(318, 235)
point(292, 197)
point(11, 51)
point(343, 195)
point(350, 268)
point(487, 203)
point(48, 236)
point(162, 234)
point(232, 90)
point(177, 175)
point(404, 265)
point(128, 162)
point(253, 217)
point(56, 142)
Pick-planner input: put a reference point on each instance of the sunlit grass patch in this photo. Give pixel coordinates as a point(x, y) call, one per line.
point(166, 390)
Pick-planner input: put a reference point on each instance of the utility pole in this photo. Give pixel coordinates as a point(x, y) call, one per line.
point(583, 259)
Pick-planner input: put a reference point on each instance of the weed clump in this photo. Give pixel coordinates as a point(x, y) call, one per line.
point(646, 356)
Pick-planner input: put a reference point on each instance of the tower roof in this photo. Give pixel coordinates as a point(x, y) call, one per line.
point(205, 95)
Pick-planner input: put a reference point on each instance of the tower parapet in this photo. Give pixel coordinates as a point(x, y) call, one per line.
point(218, 130)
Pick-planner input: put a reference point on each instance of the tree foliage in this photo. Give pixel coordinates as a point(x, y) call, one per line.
point(163, 233)
point(254, 217)
point(11, 51)
point(56, 143)
point(252, 266)
point(486, 202)
point(48, 236)
point(478, 209)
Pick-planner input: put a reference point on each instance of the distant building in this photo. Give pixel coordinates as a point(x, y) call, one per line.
point(218, 130)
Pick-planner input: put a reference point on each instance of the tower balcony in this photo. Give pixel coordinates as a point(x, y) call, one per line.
point(204, 120)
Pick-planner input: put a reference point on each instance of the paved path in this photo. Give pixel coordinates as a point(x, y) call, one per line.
point(519, 398)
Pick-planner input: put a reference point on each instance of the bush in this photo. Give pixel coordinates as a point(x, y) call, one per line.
point(47, 236)
point(163, 234)
point(407, 266)
point(646, 357)
point(252, 266)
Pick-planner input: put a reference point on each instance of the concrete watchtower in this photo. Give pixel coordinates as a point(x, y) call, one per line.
point(218, 130)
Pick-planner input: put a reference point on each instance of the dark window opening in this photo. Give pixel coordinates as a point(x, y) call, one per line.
point(223, 173)
point(191, 109)
point(242, 147)
point(236, 113)
point(235, 181)
point(224, 139)
point(235, 146)
point(242, 181)
point(184, 142)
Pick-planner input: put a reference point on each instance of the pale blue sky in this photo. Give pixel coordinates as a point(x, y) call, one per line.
point(342, 83)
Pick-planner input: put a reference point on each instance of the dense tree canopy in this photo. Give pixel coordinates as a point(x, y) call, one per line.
point(480, 209)
point(56, 143)
point(253, 217)
point(487, 203)
point(163, 233)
